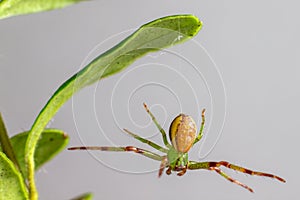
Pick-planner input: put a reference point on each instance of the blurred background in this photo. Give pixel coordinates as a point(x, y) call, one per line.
point(243, 67)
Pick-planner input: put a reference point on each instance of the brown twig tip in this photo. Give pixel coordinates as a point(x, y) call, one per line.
point(203, 111)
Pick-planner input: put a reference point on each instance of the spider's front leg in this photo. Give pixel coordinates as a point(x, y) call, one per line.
point(215, 166)
point(245, 170)
point(137, 150)
point(219, 171)
point(211, 166)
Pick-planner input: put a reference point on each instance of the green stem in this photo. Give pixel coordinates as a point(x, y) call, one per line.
point(6, 144)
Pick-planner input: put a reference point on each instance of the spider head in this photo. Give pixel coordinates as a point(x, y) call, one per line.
point(182, 133)
point(177, 160)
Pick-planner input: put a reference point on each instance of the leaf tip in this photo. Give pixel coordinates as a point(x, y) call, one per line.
point(65, 135)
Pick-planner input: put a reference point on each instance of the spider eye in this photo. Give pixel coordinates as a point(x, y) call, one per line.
point(182, 133)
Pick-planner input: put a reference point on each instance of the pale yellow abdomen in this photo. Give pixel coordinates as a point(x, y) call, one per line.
point(182, 132)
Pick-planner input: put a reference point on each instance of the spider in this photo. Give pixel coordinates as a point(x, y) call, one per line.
point(183, 135)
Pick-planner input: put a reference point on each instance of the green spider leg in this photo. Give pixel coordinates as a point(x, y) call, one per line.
point(164, 160)
point(201, 128)
point(143, 152)
point(215, 166)
point(143, 140)
point(158, 126)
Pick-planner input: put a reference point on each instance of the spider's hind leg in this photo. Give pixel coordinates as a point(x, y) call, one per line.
point(200, 134)
point(162, 131)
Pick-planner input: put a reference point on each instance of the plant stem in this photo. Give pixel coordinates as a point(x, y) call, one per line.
point(6, 145)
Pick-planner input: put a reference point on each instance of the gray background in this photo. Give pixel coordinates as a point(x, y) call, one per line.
point(255, 45)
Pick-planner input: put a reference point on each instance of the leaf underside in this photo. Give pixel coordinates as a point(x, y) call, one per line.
point(10, 8)
point(12, 186)
point(52, 141)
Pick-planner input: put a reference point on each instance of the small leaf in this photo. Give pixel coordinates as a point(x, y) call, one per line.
point(10, 8)
point(86, 196)
point(12, 185)
point(153, 36)
point(52, 141)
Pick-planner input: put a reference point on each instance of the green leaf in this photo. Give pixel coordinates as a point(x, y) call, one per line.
point(10, 8)
point(86, 196)
point(6, 144)
point(52, 141)
point(12, 185)
point(158, 34)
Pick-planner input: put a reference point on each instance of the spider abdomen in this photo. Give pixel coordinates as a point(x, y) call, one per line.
point(182, 133)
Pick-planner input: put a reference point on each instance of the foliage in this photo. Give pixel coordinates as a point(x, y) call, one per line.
point(10, 8)
point(24, 153)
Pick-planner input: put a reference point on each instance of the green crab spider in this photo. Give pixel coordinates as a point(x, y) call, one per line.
point(183, 136)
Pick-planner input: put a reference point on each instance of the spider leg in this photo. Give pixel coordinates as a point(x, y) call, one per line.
point(143, 152)
point(245, 170)
point(150, 143)
point(201, 128)
point(219, 171)
point(158, 126)
point(163, 164)
point(192, 165)
point(169, 171)
point(207, 165)
point(182, 172)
